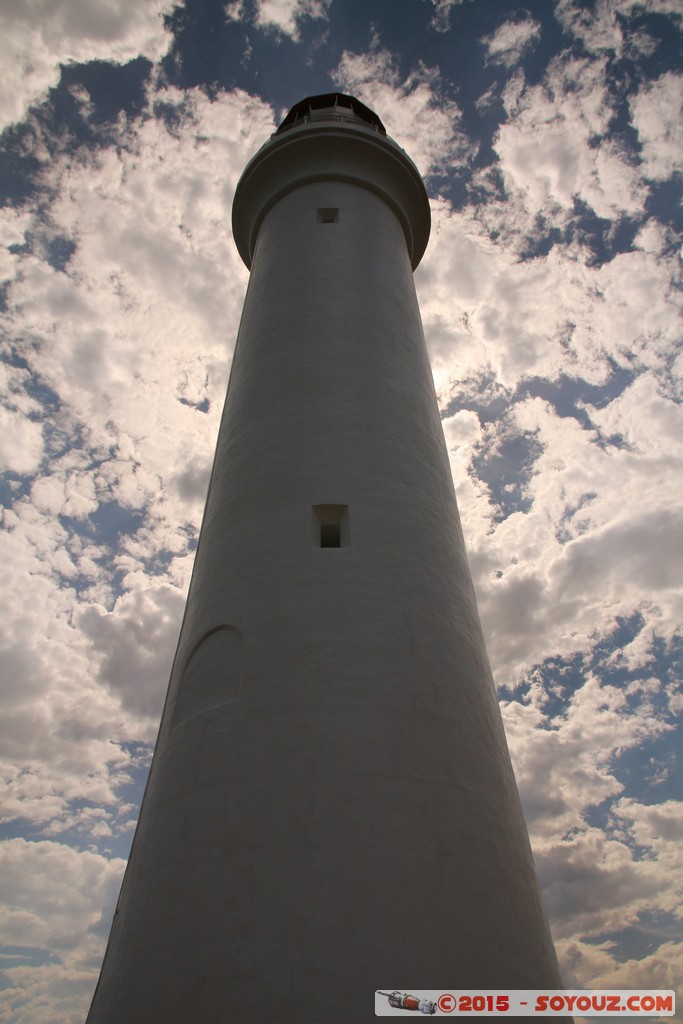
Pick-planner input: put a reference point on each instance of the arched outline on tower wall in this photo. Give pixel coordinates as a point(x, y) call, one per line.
point(211, 675)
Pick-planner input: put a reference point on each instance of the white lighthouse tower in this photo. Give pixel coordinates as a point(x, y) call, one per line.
point(331, 806)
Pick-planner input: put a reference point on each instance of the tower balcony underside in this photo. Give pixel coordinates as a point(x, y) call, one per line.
point(331, 151)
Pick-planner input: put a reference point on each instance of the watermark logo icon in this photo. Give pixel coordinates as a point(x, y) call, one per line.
point(522, 1003)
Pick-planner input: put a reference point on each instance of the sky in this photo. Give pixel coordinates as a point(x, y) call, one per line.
point(549, 135)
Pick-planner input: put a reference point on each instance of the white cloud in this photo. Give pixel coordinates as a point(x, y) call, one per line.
point(125, 355)
point(234, 11)
point(153, 261)
point(285, 15)
point(131, 343)
point(441, 18)
point(597, 882)
point(660, 970)
point(548, 148)
point(598, 886)
point(564, 767)
point(21, 442)
point(597, 27)
point(53, 894)
point(604, 25)
point(426, 125)
point(484, 309)
point(52, 898)
point(36, 36)
point(511, 40)
point(601, 534)
point(587, 540)
point(52, 994)
point(657, 113)
point(136, 641)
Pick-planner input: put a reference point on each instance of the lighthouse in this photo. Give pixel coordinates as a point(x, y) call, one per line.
point(331, 807)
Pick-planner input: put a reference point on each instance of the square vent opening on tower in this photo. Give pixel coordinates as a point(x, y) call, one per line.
point(327, 215)
point(330, 526)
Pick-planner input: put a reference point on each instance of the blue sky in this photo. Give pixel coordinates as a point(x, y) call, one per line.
point(550, 138)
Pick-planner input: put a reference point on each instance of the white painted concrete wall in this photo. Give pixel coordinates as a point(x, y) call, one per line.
point(331, 807)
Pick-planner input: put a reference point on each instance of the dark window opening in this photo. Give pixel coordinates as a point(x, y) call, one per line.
point(328, 215)
point(330, 535)
point(330, 526)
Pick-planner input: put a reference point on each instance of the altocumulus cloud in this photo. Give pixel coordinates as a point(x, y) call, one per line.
point(550, 139)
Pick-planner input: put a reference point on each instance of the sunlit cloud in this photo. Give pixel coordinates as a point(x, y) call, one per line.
point(550, 294)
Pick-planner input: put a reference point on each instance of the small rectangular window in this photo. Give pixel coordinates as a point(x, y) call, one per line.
point(330, 526)
point(327, 215)
point(330, 535)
